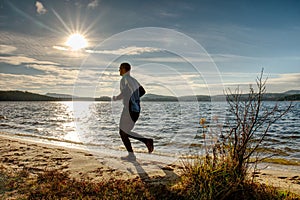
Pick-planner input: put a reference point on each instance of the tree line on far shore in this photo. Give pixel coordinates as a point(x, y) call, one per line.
point(293, 95)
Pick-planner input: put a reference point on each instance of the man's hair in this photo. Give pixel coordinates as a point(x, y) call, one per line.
point(126, 66)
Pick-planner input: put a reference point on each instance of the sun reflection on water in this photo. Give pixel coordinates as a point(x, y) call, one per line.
point(69, 127)
point(82, 113)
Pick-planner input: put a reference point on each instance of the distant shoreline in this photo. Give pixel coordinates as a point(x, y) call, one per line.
point(28, 96)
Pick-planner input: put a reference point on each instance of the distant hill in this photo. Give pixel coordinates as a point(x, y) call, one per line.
point(269, 97)
point(155, 97)
point(61, 96)
point(23, 96)
point(68, 97)
point(103, 98)
point(291, 92)
point(195, 98)
point(293, 97)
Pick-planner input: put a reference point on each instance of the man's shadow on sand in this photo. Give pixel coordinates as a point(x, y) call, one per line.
point(169, 173)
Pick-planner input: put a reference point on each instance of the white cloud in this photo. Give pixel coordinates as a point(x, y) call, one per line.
point(40, 8)
point(25, 82)
point(37, 83)
point(93, 4)
point(6, 49)
point(133, 50)
point(54, 69)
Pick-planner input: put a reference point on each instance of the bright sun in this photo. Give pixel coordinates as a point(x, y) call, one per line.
point(76, 42)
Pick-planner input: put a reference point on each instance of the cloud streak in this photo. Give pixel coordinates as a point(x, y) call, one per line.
point(18, 60)
point(133, 50)
point(46, 66)
point(285, 79)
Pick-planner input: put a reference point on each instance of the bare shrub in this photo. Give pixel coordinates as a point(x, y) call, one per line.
point(249, 126)
point(221, 173)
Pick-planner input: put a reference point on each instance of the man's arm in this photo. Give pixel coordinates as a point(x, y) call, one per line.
point(119, 97)
point(122, 86)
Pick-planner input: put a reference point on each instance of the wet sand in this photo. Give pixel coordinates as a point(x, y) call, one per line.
point(286, 177)
point(37, 156)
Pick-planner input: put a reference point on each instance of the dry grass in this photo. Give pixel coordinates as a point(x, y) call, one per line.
point(207, 178)
point(58, 185)
point(198, 181)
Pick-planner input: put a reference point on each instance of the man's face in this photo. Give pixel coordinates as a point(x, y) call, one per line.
point(122, 71)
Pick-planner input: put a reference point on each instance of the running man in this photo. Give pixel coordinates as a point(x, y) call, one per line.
point(131, 91)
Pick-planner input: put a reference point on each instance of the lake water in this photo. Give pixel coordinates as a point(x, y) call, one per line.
point(174, 126)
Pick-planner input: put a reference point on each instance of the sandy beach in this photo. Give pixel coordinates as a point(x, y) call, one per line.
point(37, 156)
point(286, 177)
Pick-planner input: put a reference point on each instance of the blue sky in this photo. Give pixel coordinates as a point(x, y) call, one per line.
point(175, 47)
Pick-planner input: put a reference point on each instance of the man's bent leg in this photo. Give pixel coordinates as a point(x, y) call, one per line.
point(127, 123)
point(147, 141)
point(126, 141)
point(134, 117)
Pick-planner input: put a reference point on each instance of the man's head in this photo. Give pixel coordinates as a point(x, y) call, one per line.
point(124, 68)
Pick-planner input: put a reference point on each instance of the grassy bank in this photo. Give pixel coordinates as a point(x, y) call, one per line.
point(198, 181)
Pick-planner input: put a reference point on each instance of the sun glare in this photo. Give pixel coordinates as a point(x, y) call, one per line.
point(76, 42)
